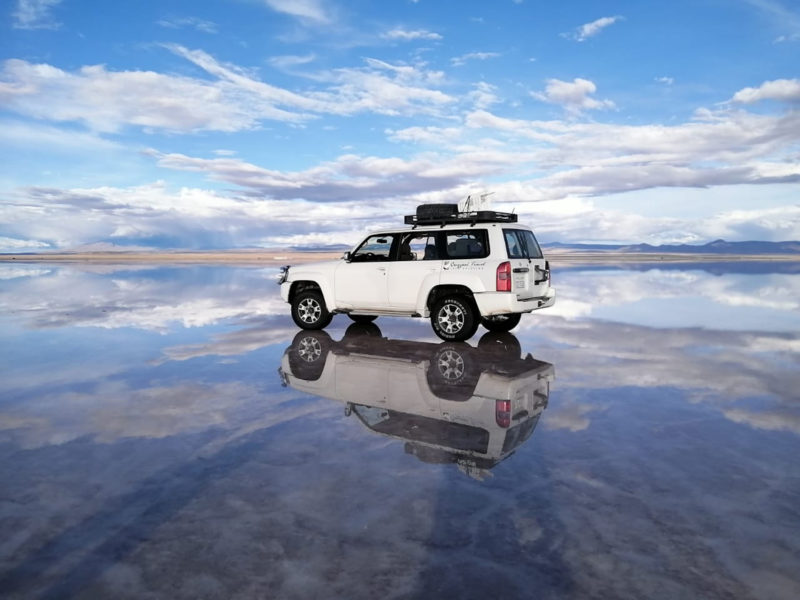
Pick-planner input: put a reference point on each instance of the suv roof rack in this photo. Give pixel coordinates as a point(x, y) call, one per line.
point(447, 214)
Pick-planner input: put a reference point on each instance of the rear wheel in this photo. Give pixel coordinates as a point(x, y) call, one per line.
point(309, 310)
point(501, 322)
point(500, 344)
point(454, 319)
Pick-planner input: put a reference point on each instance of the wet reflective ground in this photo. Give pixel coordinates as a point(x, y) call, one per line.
point(167, 433)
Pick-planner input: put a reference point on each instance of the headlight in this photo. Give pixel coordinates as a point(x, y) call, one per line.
point(284, 274)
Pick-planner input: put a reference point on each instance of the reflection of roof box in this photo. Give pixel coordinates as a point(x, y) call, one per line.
point(447, 214)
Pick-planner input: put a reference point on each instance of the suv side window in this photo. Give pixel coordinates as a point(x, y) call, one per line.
point(375, 248)
point(418, 246)
point(472, 243)
point(521, 243)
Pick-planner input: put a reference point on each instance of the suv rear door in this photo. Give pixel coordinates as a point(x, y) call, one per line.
point(416, 267)
point(529, 274)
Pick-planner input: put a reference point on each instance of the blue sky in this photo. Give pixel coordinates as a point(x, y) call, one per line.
point(275, 123)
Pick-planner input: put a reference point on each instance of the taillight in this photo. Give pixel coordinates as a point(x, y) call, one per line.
point(504, 277)
point(502, 412)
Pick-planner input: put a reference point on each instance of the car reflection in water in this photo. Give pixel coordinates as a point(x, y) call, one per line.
point(450, 402)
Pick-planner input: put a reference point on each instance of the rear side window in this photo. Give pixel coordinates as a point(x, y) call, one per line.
point(472, 243)
point(521, 243)
point(418, 246)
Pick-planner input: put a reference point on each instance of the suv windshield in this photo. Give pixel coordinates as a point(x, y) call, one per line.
point(521, 243)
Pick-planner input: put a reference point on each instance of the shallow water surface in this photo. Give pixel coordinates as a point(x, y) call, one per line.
point(169, 432)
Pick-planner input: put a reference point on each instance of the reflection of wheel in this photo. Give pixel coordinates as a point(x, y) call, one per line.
point(309, 311)
point(363, 318)
point(307, 354)
point(500, 344)
point(454, 319)
point(452, 374)
point(501, 322)
point(450, 365)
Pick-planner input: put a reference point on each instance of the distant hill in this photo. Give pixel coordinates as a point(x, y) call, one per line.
point(322, 248)
point(715, 247)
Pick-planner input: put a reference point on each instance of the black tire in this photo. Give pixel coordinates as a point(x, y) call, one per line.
point(501, 323)
point(452, 374)
point(307, 354)
point(500, 344)
point(309, 310)
point(454, 318)
point(363, 318)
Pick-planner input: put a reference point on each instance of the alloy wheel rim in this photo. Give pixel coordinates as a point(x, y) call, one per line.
point(451, 318)
point(451, 365)
point(309, 310)
point(309, 349)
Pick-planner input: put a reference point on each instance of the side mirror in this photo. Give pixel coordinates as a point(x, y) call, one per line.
point(346, 256)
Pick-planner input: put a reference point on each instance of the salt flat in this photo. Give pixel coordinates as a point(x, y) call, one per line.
point(166, 431)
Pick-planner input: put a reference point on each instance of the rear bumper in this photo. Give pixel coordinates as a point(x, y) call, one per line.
point(498, 303)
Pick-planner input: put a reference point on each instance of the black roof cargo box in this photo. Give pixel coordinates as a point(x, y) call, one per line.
point(446, 214)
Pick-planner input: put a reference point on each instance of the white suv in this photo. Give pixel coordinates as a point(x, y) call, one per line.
point(460, 270)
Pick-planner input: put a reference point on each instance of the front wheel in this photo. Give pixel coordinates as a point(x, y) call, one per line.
point(501, 323)
point(454, 319)
point(309, 310)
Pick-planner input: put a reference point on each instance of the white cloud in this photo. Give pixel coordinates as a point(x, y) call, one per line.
point(290, 61)
point(190, 22)
point(107, 101)
point(425, 135)
point(379, 87)
point(574, 96)
point(484, 95)
point(311, 11)
point(348, 178)
point(785, 420)
point(8, 244)
point(408, 35)
point(784, 90)
point(464, 58)
point(665, 80)
point(35, 135)
point(8, 272)
point(588, 30)
point(35, 14)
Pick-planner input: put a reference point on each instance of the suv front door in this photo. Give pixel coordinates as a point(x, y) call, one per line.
point(360, 283)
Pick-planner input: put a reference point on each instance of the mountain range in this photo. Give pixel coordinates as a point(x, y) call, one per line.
point(715, 247)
